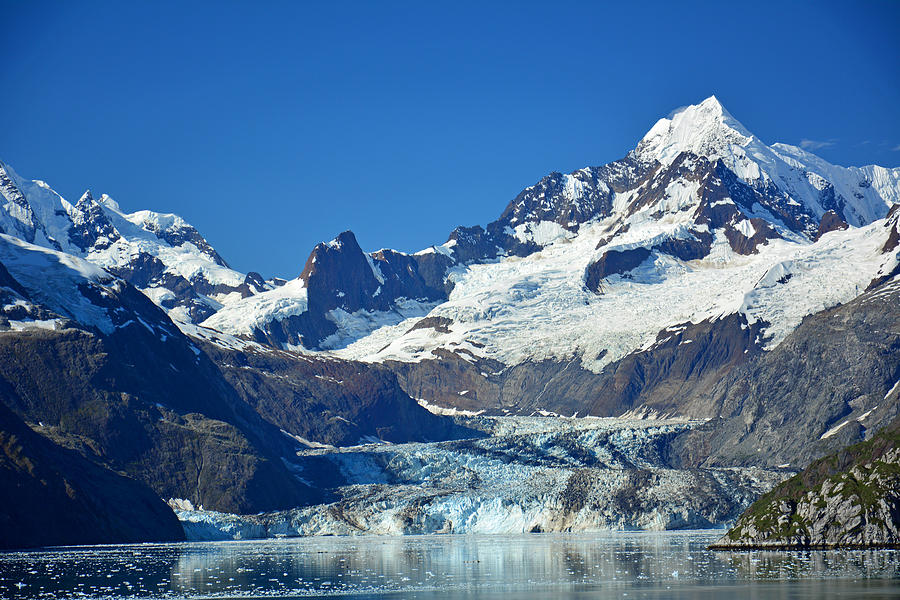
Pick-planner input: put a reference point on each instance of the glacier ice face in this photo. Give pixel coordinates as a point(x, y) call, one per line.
point(532, 474)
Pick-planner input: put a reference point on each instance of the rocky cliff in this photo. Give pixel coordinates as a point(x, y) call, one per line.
point(847, 499)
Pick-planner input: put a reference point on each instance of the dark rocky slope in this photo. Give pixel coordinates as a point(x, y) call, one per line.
point(848, 499)
point(330, 401)
point(53, 496)
point(164, 417)
point(685, 363)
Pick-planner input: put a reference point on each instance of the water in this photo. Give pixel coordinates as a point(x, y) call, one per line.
point(620, 565)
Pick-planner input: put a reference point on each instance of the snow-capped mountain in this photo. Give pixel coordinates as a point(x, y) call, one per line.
point(750, 292)
point(698, 193)
point(701, 228)
point(160, 254)
point(699, 221)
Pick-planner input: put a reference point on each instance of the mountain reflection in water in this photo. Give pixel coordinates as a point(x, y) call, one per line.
point(641, 565)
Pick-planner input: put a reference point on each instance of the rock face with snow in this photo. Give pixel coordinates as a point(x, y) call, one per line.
point(831, 382)
point(338, 279)
point(848, 499)
point(160, 254)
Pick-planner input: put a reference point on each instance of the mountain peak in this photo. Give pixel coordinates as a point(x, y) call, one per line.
point(713, 103)
point(109, 203)
point(86, 198)
point(705, 129)
point(344, 238)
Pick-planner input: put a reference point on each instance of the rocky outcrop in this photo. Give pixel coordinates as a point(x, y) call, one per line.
point(831, 504)
point(338, 280)
point(831, 221)
point(51, 496)
point(613, 262)
point(91, 228)
point(892, 224)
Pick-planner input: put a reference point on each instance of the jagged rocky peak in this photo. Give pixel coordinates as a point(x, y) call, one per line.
point(176, 232)
point(17, 216)
point(162, 254)
point(687, 159)
point(339, 274)
point(9, 189)
point(91, 228)
point(87, 198)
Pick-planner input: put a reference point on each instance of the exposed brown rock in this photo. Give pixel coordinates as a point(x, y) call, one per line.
point(831, 221)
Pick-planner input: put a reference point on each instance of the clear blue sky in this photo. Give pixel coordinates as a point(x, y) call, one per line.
point(271, 126)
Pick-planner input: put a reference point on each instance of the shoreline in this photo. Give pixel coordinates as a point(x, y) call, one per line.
point(797, 547)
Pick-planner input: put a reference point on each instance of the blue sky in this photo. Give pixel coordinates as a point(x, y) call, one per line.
point(272, 126)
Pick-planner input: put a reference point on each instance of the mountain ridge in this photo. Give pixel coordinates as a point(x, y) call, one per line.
point(700, 277)
point(706, 130)
point(749, 210)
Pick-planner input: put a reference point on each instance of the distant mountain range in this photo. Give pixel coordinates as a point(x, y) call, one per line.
point(704, 275)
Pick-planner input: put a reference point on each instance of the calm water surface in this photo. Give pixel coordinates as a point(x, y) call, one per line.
point(621, 565)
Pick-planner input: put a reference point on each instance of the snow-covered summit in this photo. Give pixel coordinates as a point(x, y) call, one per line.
point(792, 177)
point(699, 195)
point(704, 129)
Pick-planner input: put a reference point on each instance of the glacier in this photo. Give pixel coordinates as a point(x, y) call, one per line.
point(531, 474)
